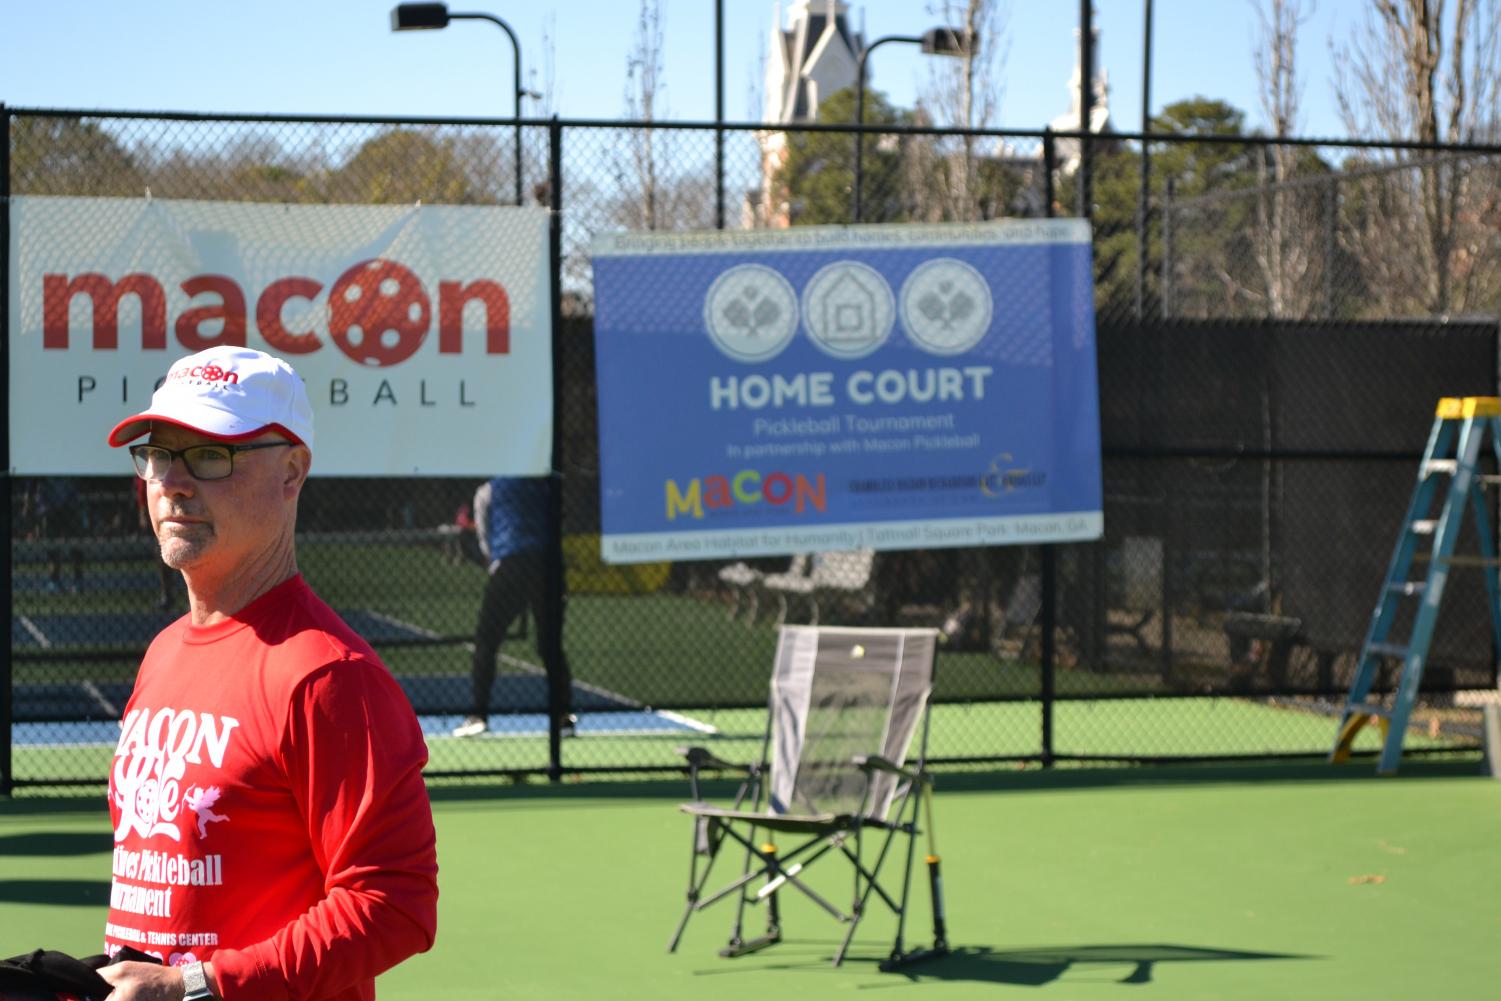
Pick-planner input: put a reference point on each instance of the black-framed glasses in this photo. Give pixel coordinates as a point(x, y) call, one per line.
point(204, 462)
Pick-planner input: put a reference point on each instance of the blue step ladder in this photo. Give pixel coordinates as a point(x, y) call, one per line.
point(1449, 476)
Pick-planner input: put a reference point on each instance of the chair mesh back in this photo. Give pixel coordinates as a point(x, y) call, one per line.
point(837, 693)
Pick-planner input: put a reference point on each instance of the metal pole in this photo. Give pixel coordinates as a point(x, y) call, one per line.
point(516, 81)
point(1331, 235)
point(7, 705)
point(1049, 558)
point(1167, 249)
point(552, 642)
point(719, 114)
point(1049, 165)
point(1146, 167)
point(1169, 586)
point(1086, 102)
point(859, 134)
point(860, 115)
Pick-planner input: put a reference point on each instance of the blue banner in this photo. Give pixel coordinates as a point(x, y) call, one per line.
point(881, 387)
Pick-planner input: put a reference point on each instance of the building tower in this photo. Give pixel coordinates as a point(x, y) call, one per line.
point(818, 54)
point(1067, 150)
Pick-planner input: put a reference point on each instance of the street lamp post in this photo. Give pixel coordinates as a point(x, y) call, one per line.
point(431, 16)
point(934, 42)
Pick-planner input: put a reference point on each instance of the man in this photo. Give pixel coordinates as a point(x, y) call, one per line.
point(510, 520)
point(273, 837)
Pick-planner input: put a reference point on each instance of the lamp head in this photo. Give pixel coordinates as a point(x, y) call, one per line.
point(419, 16)
point(935, 41)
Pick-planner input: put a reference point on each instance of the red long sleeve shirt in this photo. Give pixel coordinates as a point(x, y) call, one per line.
point(268, 806)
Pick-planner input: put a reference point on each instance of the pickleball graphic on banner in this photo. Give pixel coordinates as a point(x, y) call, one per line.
point(946, 306)
point(750, 312)
point(882, 387)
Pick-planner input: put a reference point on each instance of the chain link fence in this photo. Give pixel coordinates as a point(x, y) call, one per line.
point(1275, 323)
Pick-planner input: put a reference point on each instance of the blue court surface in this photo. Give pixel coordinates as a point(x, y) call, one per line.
point(88, 712)
point(136, 629)
point(620, 723)
point(102, 581)
point(518, 693)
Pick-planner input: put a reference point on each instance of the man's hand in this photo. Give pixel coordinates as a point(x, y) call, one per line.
point(147, 981)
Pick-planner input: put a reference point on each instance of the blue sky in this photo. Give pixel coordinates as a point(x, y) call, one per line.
point(340, 57)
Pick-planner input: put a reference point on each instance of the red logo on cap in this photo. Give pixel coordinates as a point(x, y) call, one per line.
point(208, 373)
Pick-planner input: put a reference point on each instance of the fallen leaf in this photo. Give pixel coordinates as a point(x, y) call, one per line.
point(1356, 880)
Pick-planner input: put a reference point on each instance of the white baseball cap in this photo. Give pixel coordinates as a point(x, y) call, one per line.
point(225, 392)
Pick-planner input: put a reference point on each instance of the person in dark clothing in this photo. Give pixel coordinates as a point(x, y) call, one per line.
point(510, 517)
point(54, 512)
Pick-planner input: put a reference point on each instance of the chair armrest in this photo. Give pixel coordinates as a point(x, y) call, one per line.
point(875, 763)
point(702, 757)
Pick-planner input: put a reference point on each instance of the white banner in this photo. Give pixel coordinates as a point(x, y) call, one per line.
point(423, 332)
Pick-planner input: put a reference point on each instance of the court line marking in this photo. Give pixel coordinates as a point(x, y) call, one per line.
point(605, 693)
point(530, 668)
point(93, 692)
point(36, 633)
point(687, 721)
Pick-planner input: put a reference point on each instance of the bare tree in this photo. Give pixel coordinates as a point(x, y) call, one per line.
point(963, 92)
point(545, 91)
point(643, 91)
point(1286, 214)
point(652, 191)
point(542, 91)
point(1403, 77)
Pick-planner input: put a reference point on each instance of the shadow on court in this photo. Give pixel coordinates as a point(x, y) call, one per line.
point(57, 844)
point(57, 892)
point(1032, 967)
point(1123, 964)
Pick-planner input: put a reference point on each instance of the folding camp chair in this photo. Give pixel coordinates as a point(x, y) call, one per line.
point(845, 706)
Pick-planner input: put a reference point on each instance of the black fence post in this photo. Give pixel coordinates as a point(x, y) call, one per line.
point(1049, 552)
point(1049, 660)
point(7, 674)
point(1331, 235)
point(1169, 586)
point(1086, 106)
point(551, 642)
point(1049, 155)
point(1166, 292)
point(1146, 165)
point(719, 114)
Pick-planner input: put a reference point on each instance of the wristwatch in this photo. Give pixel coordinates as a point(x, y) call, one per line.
point(195, 984)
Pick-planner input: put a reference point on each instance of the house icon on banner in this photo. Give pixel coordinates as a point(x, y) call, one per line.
point(849, 314)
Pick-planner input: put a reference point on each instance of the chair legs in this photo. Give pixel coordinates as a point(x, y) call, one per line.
point(778, 872)
point(899, 957)
point(737, 945)
point(709, 834)
point(764, 861)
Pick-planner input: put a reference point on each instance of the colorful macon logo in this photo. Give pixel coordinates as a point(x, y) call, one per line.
point(746, 488)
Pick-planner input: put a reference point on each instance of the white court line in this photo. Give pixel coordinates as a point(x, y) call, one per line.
point(36, 634)
point(687, 721)
point(93, 692)
point(530, 668)
point(605, 693)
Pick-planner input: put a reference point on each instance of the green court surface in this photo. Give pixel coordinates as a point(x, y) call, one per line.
point(1144, 728)
point(1293, 881)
